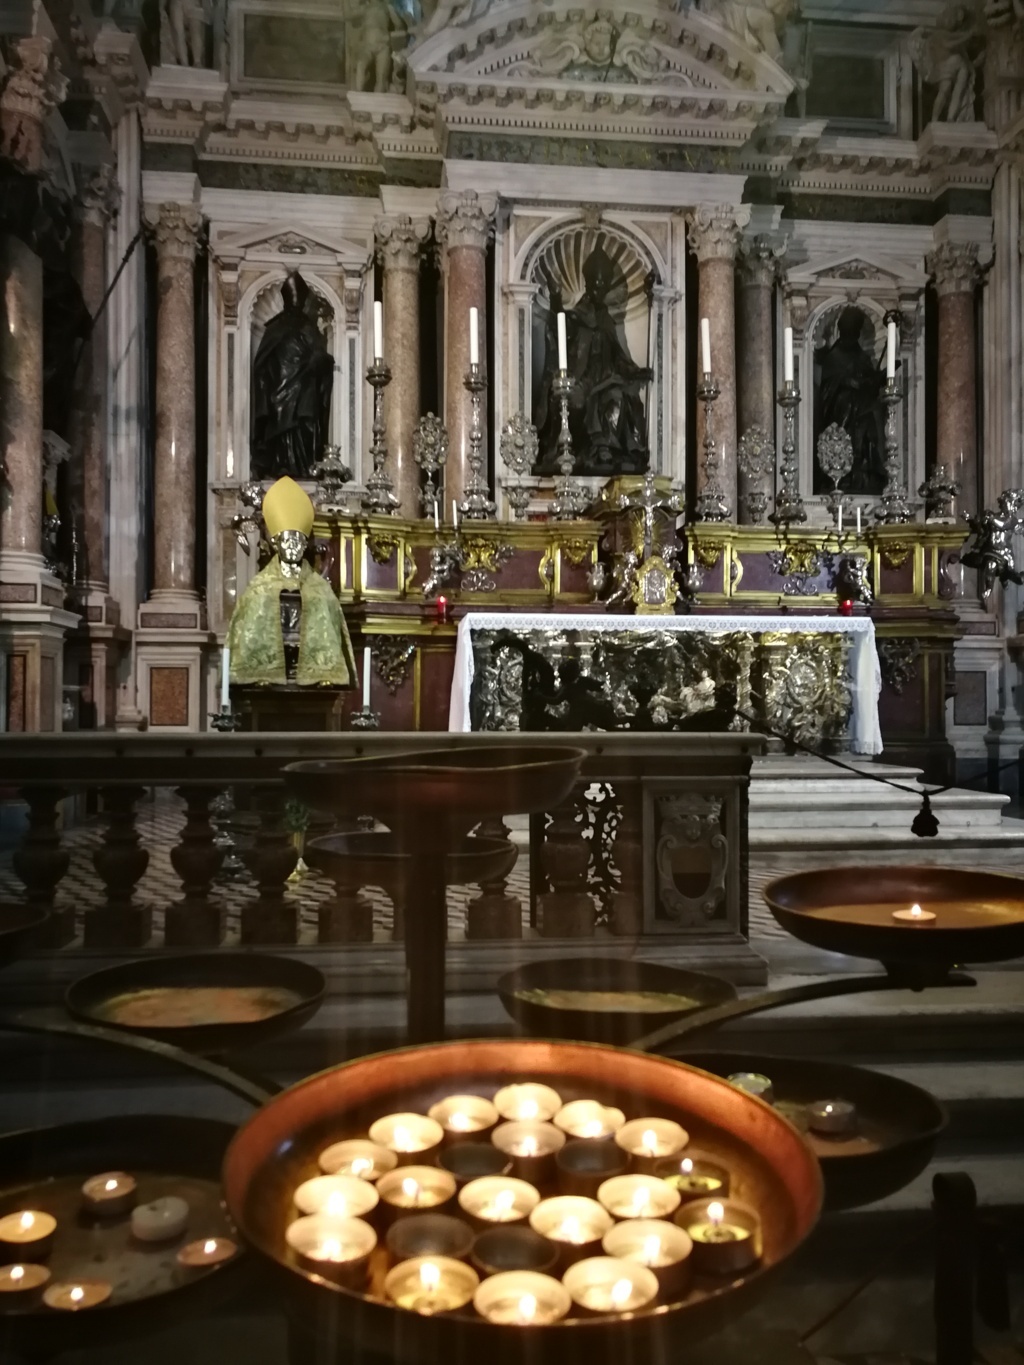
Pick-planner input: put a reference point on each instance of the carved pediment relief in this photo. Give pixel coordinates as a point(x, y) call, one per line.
point(858, 270)
point(289, 246)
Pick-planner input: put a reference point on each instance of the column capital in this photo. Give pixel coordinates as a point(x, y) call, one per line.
point(759, 259)
point(175, 229)
point(714, 230)
point(99, 194)
point(399, 240)
point(466, 219)
point(955, 267)
point(33, 84)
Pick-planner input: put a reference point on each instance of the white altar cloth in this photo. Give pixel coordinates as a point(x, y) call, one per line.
point(864, 679)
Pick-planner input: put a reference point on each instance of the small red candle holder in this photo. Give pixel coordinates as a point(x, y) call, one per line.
point(442, 611)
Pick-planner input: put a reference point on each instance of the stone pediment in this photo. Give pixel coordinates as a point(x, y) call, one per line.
point(289, 247)
point(857, 271)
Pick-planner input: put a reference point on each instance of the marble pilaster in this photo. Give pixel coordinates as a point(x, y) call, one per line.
point(758, 265)
point(714, 235)
point(399, 243)
point(465, 224)
point(954, 267)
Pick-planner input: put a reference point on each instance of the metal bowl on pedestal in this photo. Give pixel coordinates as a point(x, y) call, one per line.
point(275, 1150)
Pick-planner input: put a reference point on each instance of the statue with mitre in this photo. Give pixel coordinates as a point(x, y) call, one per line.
point(261, 626)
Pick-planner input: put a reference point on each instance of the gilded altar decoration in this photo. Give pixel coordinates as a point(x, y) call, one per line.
point(804, 686)
point(268, 612)
point(393, 658)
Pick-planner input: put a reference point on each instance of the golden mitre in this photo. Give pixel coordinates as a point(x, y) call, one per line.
point(287, 507)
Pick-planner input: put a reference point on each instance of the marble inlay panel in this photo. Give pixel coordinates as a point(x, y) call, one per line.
point(168, 696)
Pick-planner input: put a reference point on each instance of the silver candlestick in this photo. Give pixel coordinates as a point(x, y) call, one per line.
point(789, 505)
point(894, 508)
point(380, 491)
point(711, 504)
point(571, 499)
point(331, 475)
point(477, 505)
point(364, 719)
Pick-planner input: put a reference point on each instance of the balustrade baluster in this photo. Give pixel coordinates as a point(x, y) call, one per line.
point(40, 863)
point(347, 916)
point(271, 860)
point(119, 863)
point(196, 921)
point(494, 913)
point(567, 910)
point(627, 904)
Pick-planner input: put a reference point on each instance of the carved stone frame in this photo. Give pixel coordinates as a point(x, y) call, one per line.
point(729, 865)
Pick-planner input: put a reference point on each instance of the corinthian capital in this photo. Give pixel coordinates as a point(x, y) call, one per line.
point(759, 260)
point(466, 219)
point(399, 241)
point(33, 85)
point(714, 230)
point(175, 230)
point(99, 195)
point(955, 267)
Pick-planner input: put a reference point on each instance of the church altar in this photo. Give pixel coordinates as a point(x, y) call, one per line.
point(815, 677)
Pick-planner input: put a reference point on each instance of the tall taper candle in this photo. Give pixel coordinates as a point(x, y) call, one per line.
point(787, 350)
point(563, 350)
point(890, 351)
point(378, 330)
point(474, 336)
point(705, 344)
point(225, 678)
point(455, 513)
point(366, 677)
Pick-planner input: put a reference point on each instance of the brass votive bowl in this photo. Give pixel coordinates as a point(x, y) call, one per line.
point(429, 1234)
point(468, 1161)
point(538, 1168)
point(694, 1175)
point(584, 1165)
point(672, 1264)
point(650, 1140)
point(722, 1255)
point(513, 1246)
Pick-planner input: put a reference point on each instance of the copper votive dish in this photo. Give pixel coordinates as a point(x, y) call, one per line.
point(429, 1234)
point(660, 1246)
point(513, 1246)
point(584, 1166)
point(468, 1161)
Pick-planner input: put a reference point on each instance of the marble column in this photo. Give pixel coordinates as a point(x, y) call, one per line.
point(399, 242)
point(954, 268)
point(175, 230)
point(465, 224)
point(714, 233)
point(758, 265)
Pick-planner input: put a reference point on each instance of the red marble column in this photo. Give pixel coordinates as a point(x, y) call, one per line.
point(954, 267)
point(399, 243)
point(758, 264)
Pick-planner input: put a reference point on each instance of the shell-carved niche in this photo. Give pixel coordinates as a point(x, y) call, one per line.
point(848, 348)
point(603, 282)
point(268, 303)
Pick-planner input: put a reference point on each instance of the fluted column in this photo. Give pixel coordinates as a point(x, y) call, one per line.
point(175, 231)
point(714, 233)
point(465, 224)
point(954, 267)
point(758, 265)
point(399, 242)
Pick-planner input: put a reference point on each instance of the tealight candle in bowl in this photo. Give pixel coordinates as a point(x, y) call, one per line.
point(832, 1118)
point(415, 1189)
point(753, 1083)
point(522, 1298)
point(660, 1246)
point(575, 1224)
point(110, 1195)
point(340, 1196)
point(461, 1115)
point(413, 1138)
point(206, 1253)
point(76, 1295)
point(431, 1284)
point(22, 1283)
point(584, 1166)
point(726, 1235)
point(498, 1199)
point(429, 1234)
point(532, 1146)
point(527, 1103)
point(588, 1119)
point(695, 1176)
point(359, 1157)
point(607, 1284)
point(638, 1196)
point(161, 1220)
point(915, 915)
point(338, 1249)
point(648, 1141)
point(513, 1246)
point(472, 1160)
point(28, 1234)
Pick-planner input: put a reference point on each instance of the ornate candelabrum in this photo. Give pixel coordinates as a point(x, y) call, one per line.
point(430, 451)
point(331, 475)
point(518, 449)
point(940, 492)
point(380, 491)
point(789, 505)
point(477, 504)
point(894, 508)
point(755, 459)
point(835, 456)
point(224, 720)
point(571, 499)
point(711, 504)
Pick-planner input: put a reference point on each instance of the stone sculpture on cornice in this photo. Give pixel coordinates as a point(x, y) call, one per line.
point(583, 47)
point(376, 60)
point(947, 57)
point(183, 33)
point(757, 23)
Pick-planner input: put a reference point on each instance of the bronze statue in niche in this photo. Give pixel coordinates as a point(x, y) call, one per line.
point(847, 391)
point(292, 378)
point(607, 417)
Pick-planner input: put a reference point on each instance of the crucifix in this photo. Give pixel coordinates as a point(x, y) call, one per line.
point(648, 501)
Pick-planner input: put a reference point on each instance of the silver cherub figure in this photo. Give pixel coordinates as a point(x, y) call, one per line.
point(990, 549)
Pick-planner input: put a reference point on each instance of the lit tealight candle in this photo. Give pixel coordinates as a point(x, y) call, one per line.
point(527, 1102)
point(753, 1083)
point(207, 1253)
point(694, 1176)
point(340, 1196)
point(836, 1118)
point(462, 1114)
point(608, 1284)
point(160, 1221)
point(498, 1199)
point(522, 1298)
point(662, 1247)
point(638, 1196)
point(576, 1224)
point(410, 1136)
point(415, 1188)
point(588, 1119)
point(339, 1249)
point(23, 1282)
point(431, 1284)
point(532, 1145)
point(915, 915)
point(649, 1140)
point(359, 1157)
point(110, 1195)
point(71, 1298)
point(726, 1236)
point(28, 1233)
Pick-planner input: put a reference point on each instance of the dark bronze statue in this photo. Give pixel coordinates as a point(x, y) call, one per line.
point(849, 387)
point(293, 374)
point(606, 411)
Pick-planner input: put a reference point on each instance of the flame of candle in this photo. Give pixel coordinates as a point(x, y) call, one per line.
point(620, 1293)
point(716, 1213)
point(336, 1204)
point(687, 1166)
point(26, 1221)
point(110, 1185)
point(330, 1249)
point(651, 1250)
point(641, 1198)
point(828, 1109)
point(528, 1147)
point(17, 1272)
point(527, 1308)
point(529, 1109)
point(570, 1230)
point(460, 1122)
point(209, 1246)
point(650, 1141)
point(411, 1189)
point(402, 1138)
point(77, 1294)
point(916, 910)
point(430, 1275)
point(504, 1201)
point(592, 1128)
point(362, 1166)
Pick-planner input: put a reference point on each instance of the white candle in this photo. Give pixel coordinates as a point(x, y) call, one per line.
point(437, 517)
point(455, 513)
point(474, 336)
point(563, 350)
point(839, 522)
point(366, 677)
point(858, 521)
point(160, 1221)
point(787, 351)
point(890, 351)
point(705, 344)
point(378, 330)
point(225, 678)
